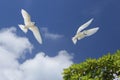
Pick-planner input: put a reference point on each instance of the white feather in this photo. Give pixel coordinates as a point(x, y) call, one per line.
point(36, 34)
point(74, 40)
point(23, 28)
point(84, 25)
point(91, 31)
point(80, 35)
point(30, 25)
point(26, 17)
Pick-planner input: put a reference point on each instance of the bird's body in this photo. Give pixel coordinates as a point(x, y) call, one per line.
point(79, 36)
point(82, 34)
point(30, 25)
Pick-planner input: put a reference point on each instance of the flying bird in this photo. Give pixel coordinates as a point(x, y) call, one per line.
point(80, 34)
point(28, 24)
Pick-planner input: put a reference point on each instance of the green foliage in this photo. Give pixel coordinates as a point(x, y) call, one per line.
point(95, 69)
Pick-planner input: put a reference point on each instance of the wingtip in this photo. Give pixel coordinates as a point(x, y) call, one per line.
point(91, 20)
point(23, 11)
point(41, 42)
point(97, 28)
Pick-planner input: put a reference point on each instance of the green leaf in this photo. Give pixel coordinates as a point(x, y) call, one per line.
point(95, 69)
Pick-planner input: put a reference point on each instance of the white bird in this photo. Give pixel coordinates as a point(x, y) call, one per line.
point(82, 34)
point(30, 25)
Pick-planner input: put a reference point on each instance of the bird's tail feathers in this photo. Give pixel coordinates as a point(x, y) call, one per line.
point(23, 28)
point(74, 40)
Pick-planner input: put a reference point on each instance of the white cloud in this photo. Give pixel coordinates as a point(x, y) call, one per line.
point(12, 43)
point(11, 48)
point(49, 35)
point(41, 67)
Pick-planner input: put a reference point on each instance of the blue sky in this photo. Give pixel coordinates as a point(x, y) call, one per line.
point(62, 18)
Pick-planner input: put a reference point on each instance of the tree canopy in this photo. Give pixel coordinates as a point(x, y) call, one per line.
point(103, 68)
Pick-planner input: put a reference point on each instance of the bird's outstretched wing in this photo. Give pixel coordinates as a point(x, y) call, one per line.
point(91, 31)
point(36, 33)
point(84, 25)
point(26, 17)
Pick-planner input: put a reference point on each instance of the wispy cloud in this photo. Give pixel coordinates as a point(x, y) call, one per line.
point(49, 35)
point(37, 68)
